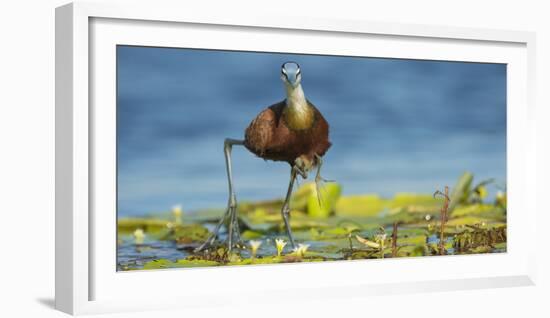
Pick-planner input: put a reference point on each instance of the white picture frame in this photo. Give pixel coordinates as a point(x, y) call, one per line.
point(86, 280)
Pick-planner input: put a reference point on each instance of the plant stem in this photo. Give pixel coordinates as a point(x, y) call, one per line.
point(394, 240)
point(443, 221)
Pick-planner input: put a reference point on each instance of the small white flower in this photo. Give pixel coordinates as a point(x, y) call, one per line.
point(177, 209)
point(139, 235)
point(177, 212)
point(170, 225)
point(380, 238)
point(301, 250)
point(280, 243)
point(254, 246)
point(428, 217)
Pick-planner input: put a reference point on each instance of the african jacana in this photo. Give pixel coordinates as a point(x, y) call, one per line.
point(293, 131)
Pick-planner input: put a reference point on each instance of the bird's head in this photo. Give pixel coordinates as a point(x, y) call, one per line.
point(291, 74)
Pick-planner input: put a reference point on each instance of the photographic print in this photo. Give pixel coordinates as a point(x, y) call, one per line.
point(228, 158)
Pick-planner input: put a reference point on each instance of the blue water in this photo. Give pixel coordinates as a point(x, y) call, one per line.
point(396, 125)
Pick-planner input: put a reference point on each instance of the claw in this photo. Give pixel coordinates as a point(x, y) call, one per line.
point(321, 179)
point(302, 166)
point(300, 172)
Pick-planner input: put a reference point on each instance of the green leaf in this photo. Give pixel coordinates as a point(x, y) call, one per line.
point(461, 190)
point(158, 264)
point(194, 263)
point(360, 205)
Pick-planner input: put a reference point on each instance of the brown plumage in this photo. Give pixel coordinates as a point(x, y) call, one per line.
point(269, 136)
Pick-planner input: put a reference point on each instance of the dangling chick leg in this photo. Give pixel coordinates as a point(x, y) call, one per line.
point(319, 180)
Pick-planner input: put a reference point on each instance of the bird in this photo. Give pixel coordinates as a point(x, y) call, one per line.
point(292, 131)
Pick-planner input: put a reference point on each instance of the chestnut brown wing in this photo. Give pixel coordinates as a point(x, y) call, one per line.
point(320, 141)
point(259, 134)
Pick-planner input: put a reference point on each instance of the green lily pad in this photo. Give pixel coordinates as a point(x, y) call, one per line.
point(148, 225)
point(360, 205)
point(158, 264)
point(194, 263)
point(193, 232)
point(164, 263)
point(415, 202)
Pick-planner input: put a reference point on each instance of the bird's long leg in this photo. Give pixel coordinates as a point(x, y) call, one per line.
point(231, 210)
point(285, 211)
point(232, 205)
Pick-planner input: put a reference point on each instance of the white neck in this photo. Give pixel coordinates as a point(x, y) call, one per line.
point(298, 114)
point(295, 97)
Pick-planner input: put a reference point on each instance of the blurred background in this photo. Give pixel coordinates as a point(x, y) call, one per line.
point(396, 125)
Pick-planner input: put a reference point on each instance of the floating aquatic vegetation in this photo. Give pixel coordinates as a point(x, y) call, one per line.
point(148, 225)
point(366, 242)
point(478, 238)
point(360, 227)
point(164, 263)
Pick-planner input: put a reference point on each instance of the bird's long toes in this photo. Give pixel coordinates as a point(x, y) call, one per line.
point(318, 188)
point(320, 179)
point(201, 248)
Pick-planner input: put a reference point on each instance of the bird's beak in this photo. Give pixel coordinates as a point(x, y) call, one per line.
point(293, 81)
